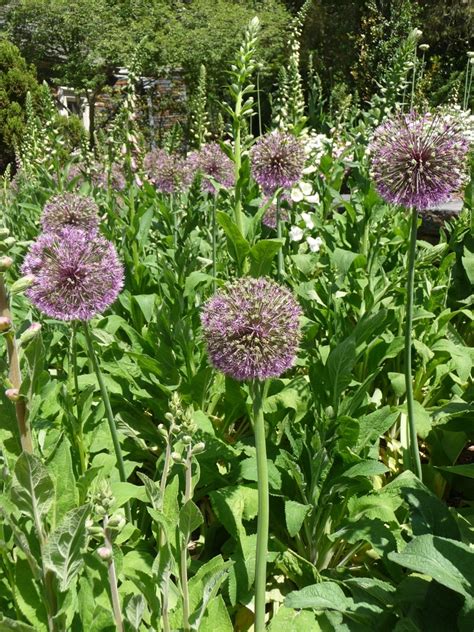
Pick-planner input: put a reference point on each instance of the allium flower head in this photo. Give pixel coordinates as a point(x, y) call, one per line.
point(168, 172)
point(277, 161)
point(76, 273)
point(213, 164)
point(270, 217)
point(417, 160)
point(251, 329)
point(70, 209)
point(111, 177)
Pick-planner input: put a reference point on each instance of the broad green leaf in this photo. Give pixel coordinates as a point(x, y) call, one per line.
point(397, 380)
point(32, 489)
point(448, 562)
point(234, 504)
point(345, 259)
point(242, 573)
point(9, 625)
point(468, 263)
point(248, 471)
point(60, 467)
point(289, 620)
point(123, 492)
point(146, 302)
point(340, 363)
point(261, 256)
point(152, 489)
point(320, 597)
point(64, 548)
point(366, 468)
point(134, 610)
point(372, 426)
point(422, 420)
point(238, 245)
point(190, 518)
point(459, 470)
point(216, 617)
point(29, 597)
point(209, 585)
point(295, 513)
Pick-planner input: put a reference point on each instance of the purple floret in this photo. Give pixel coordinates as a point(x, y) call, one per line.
point(418, 160)
point(277, 161)
point(77, 274)
point(168, 172)
point(270, 217)
point(251, 329)
point(213, 164)
point(70, 209)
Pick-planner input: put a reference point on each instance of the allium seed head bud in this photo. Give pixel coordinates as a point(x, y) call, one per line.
point(77, 274)
point(168, 172)
point(13, 394)
point(251, 329)
point(418, 160)
point(5, 323)
point(22, 284)
point(5, 263)
point(70, 209)
point(277, 161)
point(30, 333)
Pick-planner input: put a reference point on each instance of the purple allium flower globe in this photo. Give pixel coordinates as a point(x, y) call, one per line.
point(417, 160)
point(213, 164)
point(269, 219)
point(277, 161)
point(70, 209)
point(251, 329)
point(76, 273)
point(104, 177)
point(167, 172)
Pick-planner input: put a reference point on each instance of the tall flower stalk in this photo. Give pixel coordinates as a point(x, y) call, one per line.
point(417, 162)
point(251, 329)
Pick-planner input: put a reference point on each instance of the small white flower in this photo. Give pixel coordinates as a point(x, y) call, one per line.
point(314, 243)
point(308, 220)
point(310, 169)
point(306, 187)
point(312, 199)
point(296, 233)
point(296, 194)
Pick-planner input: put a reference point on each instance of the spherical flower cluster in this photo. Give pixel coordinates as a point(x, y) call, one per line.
point(277, 161)
point(76, 274)
point(168, 172)
point(418, 160)
point(270, 217)
point(213, 164)
point(111, 177)
point(251, 329)
point(70, 209)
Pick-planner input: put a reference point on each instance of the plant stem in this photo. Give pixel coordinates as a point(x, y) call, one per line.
point(259, 106)
point(263, 507)
point(238, 163)
point(14, 374)
point(415, 454)
point(113, 579)
point(466, 83)
point(184, 547)
point(214, 245)
point(280, 263)
point(108, 411)
point(413, 79)
point(80, 434)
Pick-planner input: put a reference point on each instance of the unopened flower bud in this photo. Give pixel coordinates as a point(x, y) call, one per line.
point(424, 47)
point(198, 448)
point(5, 323)
point(187, 439)
point(104, 552)
point(470, 54)
point(13, 394)
point(176, 456)
point(7, 243)
point(30, 333)
point(116, 522)
point(5, 263)
point(22, 284)
point(4, 233)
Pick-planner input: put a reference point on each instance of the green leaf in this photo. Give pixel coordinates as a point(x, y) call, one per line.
point(340, 363)
point(468, 264)
point(29, 598)
point(63, 551)
point(448, 562)
point(210, 582)
point(233, 504)
point(327, 595)
point(239, 247)
point(397, 380)
point(262, 254)
point(134, 610)
point(216, 617)
point(146, 303)
point(248, 471)
point(60, 467)
point(460, 470)
point(422, 420)
point(366, 468)
point(190, 518)
point(32, 489)
point(289, 620)
point(123, 492)
point(374, 425)
point(295, 513)
point(345, 259)
point(8, 625)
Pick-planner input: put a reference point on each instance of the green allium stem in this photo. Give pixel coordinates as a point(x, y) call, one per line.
point(263, 506)
point(413, 79)
point(184, 548)
point(280, 263)
point(259, 106)
point(413, 440)
point(80, 434)
point(214, 245)
point(108, 411)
